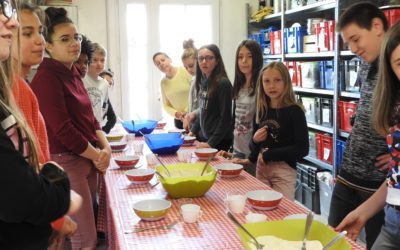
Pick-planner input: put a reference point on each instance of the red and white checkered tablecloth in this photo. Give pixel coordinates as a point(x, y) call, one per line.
point(213, 231)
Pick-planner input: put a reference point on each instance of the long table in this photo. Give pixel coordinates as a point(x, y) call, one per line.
point(213, 231)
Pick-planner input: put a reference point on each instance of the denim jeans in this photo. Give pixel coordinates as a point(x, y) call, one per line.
point(344, 200)
point(389, 238)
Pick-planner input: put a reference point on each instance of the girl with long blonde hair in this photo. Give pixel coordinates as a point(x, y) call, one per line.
point(281, 135)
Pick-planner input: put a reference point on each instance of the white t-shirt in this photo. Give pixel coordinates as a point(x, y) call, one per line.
point(98, 94)
point(244, 115)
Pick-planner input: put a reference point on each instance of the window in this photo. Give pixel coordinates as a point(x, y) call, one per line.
point(158, 25)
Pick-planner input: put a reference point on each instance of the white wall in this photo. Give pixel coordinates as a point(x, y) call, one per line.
point(92, 21)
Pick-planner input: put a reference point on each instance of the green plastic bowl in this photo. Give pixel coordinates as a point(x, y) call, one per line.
point(292, 230)
point(178, 186)
point(151, 210)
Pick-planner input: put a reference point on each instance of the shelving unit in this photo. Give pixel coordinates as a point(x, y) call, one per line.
point(322, 9)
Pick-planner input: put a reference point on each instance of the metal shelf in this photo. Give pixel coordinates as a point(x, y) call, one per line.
point(320, 163)
point(314, 91)
point(347, 53)
point(318, 55)
point(344, 134)
point(272, 56)
point(320, 128)
point(387, 7)
point(355, 95)
point(315, 7)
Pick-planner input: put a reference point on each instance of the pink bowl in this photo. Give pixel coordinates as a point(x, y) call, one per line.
point(126, 161)
point(229, 169)
point(264, 199)
point(188, 140)
point(161, 125)
point(140, 176)
point(205, 153)
point(118, 146)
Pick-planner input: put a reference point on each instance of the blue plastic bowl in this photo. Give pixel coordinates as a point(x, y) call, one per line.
point(164, 143)
point(144, 126)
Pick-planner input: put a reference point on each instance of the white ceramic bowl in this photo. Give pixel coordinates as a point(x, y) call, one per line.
point(264, 199)
point(140, 176)
point(188, 140)
point(204, 153)
point(151, 210)
point(229, 170)
point(126, 161)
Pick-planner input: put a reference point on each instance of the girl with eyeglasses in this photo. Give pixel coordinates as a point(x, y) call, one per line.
point(281, 134)
point(32, 193)
point(75, 137)
point(215, 99)
point(175, 87)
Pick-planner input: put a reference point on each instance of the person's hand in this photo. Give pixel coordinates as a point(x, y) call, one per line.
point(203, 145)
point(103, 161)
point(352, 223)
point(383, 162)
point(243, 162)
point(260, 135)
point(191, 134)
point(68, 229)
point(225, 154)
point(179, 115)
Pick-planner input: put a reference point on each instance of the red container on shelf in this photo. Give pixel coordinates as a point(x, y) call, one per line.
point(292, 68)
point(392, 15)
point(346, 111)
point(276, 38)
point(318, 145)
point(325, 35)
point(326, 148)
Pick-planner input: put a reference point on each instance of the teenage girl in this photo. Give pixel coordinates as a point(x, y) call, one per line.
point(28, 51)
point(249, 62)
point(175, 87)
point(32, 194)
point(281, 135)
point(76, 139)
point(215, 99)
point(386, 121)
point(189, 62)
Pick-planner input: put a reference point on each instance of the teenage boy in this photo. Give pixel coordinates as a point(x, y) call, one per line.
point(96, 86)
point(362, 27)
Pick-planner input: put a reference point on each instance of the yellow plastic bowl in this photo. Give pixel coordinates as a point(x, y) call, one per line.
point(152, 210)
point(181, 185)
point(114, 137)
point(292, 230)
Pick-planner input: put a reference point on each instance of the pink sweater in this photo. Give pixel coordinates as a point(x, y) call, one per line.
point(27, 102)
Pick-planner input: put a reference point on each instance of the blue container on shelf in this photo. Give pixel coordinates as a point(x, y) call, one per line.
point(340, 147)
point(326, 76)
point(293, 39)
point(139, 127)
point(167, 143)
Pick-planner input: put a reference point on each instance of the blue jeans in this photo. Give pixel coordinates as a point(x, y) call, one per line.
point(344, 200)
point(389, 238)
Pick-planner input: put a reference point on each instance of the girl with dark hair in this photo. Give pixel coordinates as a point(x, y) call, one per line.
point(249, 62)
point(82, 64)
point(215, 99)
point(32, 194)
point(76, 139)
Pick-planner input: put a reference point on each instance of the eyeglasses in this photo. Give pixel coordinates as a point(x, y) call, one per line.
point(207, 58)
point(7, 9)
point(67, 40)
